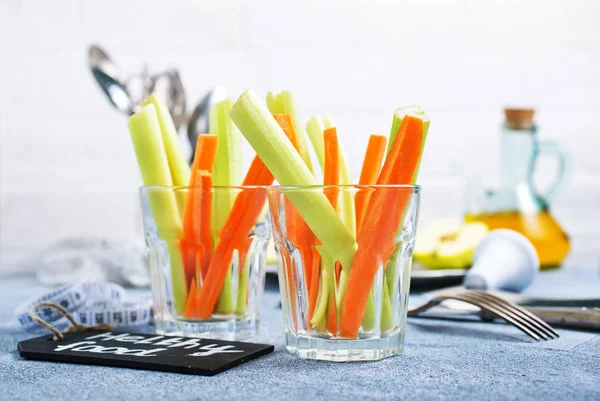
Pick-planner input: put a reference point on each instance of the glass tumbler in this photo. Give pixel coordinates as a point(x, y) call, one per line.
point(344, 260)
point(207, 254)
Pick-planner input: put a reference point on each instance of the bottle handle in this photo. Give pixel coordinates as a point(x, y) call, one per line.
point(564, 167)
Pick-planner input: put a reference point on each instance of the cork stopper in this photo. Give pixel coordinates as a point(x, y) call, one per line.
point(519, 119)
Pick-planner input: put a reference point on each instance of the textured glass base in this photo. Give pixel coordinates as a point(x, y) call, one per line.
point(370, 349)
point(234, 328)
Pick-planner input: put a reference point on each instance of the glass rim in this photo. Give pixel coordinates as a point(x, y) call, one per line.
point(413, 187)
point(176, 187)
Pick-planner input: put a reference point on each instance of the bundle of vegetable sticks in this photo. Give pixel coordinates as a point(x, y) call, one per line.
point(204, 227)
point(342, 239)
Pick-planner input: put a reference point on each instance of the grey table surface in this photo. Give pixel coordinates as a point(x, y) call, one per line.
point(442, 360)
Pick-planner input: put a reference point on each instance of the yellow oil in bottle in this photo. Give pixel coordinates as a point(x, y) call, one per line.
point(548, 238)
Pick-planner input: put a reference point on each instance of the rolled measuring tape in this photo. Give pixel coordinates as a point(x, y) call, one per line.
point(90, 303)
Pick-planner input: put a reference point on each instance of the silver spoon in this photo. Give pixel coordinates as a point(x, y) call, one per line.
point(109, 78)
point(126, 93)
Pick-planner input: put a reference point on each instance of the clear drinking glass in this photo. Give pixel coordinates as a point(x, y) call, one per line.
point(207, 255)
point(344, 313)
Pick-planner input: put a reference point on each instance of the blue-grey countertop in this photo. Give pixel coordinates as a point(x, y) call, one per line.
point(442, 360)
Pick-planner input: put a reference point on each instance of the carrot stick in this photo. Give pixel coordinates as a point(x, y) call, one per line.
point(376, 239)
point(196, 208)
point(207, 144)
point(331, 176)
point(368, 176)
point(331, 173)
point(285, 122)
point(191, 239)
point(206, 149)
point(332, 321)
point(191, 310)
point(315, 272)
point(203, 221)
point(245, 211)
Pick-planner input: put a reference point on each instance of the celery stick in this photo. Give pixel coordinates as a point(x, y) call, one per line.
point(387, 318)
point(416, 111)
point(315, 128)
point(224, 304)
point(242, 290)
point(322, 298)
point(228, 164)
point(369, 318)
point(328, 264)
point(283, 103)
point(274, 103)
point(348, 210)
point(226, 172)
point(178, 165)
point(147, 141)
point(328, 121)
point(263, 133)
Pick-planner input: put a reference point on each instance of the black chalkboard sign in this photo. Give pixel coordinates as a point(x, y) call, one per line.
point(196, 356)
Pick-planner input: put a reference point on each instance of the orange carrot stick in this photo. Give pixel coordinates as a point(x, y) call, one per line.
point(194, 214)
point(285, 122)
point(314, 282)
point(204, 160)
point(191, 310)
point(331, 176)
point(191, 239)
point(376, 239)
point(368, 176)
point(203, 221)
point(246, 209)
point(332, 323)
point(331, 170)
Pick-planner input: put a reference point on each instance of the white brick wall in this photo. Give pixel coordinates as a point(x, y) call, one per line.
point(67, 166)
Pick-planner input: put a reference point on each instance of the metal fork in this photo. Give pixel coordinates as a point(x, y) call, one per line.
point(522, 319)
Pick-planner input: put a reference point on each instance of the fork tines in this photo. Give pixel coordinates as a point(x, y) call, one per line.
point(519, 317)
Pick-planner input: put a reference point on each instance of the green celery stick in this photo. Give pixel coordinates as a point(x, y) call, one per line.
point(242, 290)
point(178, 165)
point(416, 111)
point(315, 129)
point(274, 103)
point(284, 103)
point(368, 322)
point(322, 299)
point(387, 318)
point(328, 121)
point(328, 264)
point(225, 301)
point(228, 164)
point(149, 148)
point(263, 133)
point(226, 172)
point(347, 205)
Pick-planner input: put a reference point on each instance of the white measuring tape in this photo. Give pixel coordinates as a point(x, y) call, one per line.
point(89, 303)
